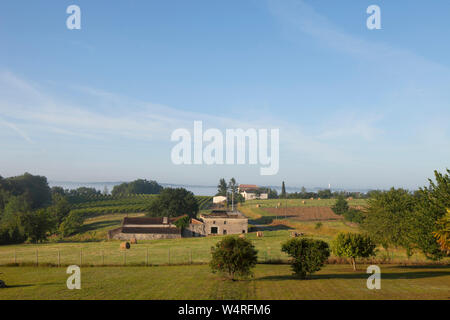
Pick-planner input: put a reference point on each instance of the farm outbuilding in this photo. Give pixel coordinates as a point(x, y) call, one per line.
point(215, 223)
point(143, 228)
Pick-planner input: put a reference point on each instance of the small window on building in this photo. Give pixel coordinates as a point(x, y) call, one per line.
point(243, 231)
point(214, 222)
point(224, 231)
point(225, 222)
point(213, 230)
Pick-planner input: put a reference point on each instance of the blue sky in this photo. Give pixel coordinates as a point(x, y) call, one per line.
point(356, 108)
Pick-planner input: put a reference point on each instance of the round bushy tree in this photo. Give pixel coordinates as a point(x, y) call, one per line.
point(308, 255)
point(341, 205)
point(352, 246)
point(234, 257)
point(173, 203)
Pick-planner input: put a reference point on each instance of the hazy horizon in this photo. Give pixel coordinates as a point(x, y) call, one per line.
point(355, 107)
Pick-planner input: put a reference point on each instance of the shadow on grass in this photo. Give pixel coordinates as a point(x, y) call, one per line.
point(359, 275)
point(273, 227)
point(18, 286)
point(424, 266)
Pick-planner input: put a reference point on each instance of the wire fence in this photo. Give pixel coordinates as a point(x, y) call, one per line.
point(135, 256)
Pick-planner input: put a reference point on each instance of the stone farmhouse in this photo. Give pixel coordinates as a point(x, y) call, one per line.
point(251, 192)
point(224, 222)
point(149, 228)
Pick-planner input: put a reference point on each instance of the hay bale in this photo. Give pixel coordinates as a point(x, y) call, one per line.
point(318, 198)
point(303, 202)
point(279, 204)
point(242, 236)
point(125, 245)
point(259, 234)
point(294, 234)
point(133, 241)
point(311, 199)
point(258, 205)
point(350, 198)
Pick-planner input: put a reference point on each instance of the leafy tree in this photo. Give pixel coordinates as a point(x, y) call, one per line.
point(34, 189)
point(71, 224)
point(222, 188)
point(308, 255)
point(324, 194)
point(82, 194)
point(354, 215)
point(352, 246)
point(341, 206)
point(183, 222)
point(432, 204)
point(234, 257)
point(442, 235)
point(272, 194)
point(37, 224)
point(389, 219)
point(60, 208)
point(173, 203)
point(139, 186)
point(234, 196)
point(58, 190)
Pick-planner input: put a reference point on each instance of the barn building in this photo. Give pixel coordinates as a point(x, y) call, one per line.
point(218, 222)
point(146, 228)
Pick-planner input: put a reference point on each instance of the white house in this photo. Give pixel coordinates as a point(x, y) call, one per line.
point(219, 199)
point(250, 192)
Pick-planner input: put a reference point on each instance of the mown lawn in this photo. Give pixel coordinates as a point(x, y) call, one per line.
point(173, 251)
point(197, 282)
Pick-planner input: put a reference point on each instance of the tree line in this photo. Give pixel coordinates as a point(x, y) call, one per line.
point(398, 218)
point(31, 211)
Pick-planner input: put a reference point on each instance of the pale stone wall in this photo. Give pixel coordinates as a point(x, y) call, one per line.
point(145, 236)
point(225, 225)
point(195, 230)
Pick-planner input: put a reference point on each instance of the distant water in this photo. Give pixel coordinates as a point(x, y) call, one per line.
point(197, 190)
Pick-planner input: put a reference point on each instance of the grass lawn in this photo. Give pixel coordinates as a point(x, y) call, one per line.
point(197, 282)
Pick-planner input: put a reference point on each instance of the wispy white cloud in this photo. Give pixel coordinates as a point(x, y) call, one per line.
point(12, 126)
point(42, 112)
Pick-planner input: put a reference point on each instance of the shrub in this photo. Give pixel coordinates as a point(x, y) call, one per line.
point(71, 224)
point(234, 257)
point(354, 215)
point(341, 206)
point(318, 225)
point(308, 255)
point(353, 245)
point(183, 222)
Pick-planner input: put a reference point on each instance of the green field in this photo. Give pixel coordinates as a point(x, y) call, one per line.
point(177, 268)
point(197, 282)
point(90, 247)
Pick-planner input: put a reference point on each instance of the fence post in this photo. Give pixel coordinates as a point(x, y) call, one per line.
point(146, 259)
point(59, 258)
point(81, 257)
point(169, 255)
